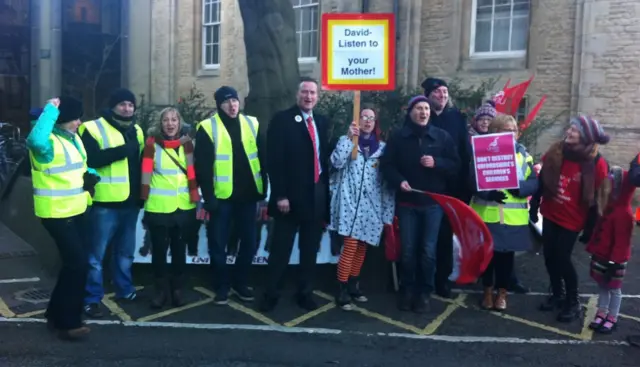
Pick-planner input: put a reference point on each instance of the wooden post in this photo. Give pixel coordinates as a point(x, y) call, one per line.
point(356, 119)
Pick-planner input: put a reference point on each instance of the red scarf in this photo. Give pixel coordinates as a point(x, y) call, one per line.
point(148, 161)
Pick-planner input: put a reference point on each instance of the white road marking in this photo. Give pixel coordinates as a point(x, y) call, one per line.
point(304, 330)
point(19, 280)
point(585, 295)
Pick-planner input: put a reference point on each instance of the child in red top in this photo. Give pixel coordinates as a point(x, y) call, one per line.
point(610, 243)
point(572, 171)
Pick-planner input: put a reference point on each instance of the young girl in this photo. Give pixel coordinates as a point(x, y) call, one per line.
point(610, 245)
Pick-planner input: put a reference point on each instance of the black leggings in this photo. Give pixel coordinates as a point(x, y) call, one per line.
point(501, 266)
point(558, 245)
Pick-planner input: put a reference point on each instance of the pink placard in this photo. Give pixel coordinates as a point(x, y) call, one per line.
point(495, 162)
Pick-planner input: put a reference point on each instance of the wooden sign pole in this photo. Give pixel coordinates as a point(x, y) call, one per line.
point(356, 120)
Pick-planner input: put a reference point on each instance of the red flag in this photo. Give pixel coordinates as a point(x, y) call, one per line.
point(532, 114)
point(508, 100)
point(475, 242)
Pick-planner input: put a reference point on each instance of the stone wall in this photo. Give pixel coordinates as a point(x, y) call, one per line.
point(584, 55)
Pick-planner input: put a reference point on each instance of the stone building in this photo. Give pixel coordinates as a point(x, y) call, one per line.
point(584, 53)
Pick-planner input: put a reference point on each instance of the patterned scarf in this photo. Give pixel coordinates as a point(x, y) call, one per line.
point(148, 160)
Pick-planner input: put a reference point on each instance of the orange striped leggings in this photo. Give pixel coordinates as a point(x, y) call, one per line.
point(351, 259)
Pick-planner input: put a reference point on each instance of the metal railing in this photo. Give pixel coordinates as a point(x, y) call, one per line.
point(13, 152)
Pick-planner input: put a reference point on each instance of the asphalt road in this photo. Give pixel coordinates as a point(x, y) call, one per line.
point(30, 345)
point(454, 333)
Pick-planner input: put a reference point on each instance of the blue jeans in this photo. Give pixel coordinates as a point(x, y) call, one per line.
point(243, 218)
point(118, 228)
point(419, 228)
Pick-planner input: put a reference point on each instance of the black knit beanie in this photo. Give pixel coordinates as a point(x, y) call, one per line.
point(121, 95)
point(70, 110)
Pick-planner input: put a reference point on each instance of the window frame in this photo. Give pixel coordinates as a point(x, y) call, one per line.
point(493, 54)
point(203, 35)
point(313, 59)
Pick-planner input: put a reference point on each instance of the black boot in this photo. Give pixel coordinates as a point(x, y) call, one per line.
point(343, 299)
point(160, 294)
point(354, 290)
point(556, 300)
point(176, 292)
point(404, 301)
point(571, 310)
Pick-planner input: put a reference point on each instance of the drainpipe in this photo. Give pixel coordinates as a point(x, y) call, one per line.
point(405, 67)
point(415, 40)
point(365, 6)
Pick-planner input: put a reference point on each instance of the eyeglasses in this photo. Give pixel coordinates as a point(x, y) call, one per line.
point(367, 118)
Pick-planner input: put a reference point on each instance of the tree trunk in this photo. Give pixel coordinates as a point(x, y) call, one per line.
point(272, 62)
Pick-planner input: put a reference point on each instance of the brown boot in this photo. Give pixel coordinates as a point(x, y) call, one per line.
point(74, 334)
point(177, 299)
point(501, 300)
point(160, 294)
point(487, 299)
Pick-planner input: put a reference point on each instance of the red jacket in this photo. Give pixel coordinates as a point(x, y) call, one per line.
point(611, 237)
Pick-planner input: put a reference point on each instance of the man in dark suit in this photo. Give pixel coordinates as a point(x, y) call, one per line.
point(297, 163)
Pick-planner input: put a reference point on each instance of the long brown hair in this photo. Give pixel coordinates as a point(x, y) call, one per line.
point(610, 188)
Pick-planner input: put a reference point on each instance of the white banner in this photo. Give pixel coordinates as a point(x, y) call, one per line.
point(200, 254)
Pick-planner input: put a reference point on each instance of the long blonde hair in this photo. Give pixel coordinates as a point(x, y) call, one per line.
point(610, 188)
point(155, 128)
point(500, 122)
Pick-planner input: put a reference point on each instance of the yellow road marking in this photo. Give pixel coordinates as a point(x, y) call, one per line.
point(457, 301)
point(587, 334)
point(437, 322)
point(5, 311)
point(309, 315)
point(375, 315)
point(115, 309)
point(634, 318)
point(174, 310)
point(31, 314)
point(533, 324)
point(238, 307)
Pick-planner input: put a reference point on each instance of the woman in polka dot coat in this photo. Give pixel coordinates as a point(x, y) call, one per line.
point(361, 204)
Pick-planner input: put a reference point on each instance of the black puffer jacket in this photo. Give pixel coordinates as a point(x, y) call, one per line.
point(401, 162)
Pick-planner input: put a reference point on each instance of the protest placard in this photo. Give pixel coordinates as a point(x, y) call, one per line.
point(495, 162)
point(358, 51)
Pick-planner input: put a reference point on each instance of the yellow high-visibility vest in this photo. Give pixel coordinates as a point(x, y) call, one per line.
point(515, 210)
point(57, 186)
point(169, 187)
point(223, 166)
point(114, 183)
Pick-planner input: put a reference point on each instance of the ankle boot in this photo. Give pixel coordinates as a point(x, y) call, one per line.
point(177, 299)
point(487, 299)
point(501, 300)
point(556, 300)
point(343, 300)
point(354, 290)
point(160, 294)
point(571, 310)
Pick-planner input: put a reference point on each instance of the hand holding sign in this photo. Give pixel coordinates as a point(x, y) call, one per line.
point(354, 130)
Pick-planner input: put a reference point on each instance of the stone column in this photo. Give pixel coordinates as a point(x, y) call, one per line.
point(46, 50)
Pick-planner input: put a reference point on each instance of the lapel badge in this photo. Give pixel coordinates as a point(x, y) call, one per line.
point(298, 118)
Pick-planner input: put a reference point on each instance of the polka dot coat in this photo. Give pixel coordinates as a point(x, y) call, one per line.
point(361, 203)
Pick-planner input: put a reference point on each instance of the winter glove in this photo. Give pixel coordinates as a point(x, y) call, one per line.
point(497, 196)
point(336, 243)
point(90, 182)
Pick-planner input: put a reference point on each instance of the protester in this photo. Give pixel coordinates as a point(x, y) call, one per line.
point(506, 214)
point(610, 242)
point(229, 161)
point(170, 192)
point(62, 186)
point(572, 172)
point(480, 126)
point(114, 145)
point(418, 156)
point(447, 117)
point(297, 159)
point(360, 205)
